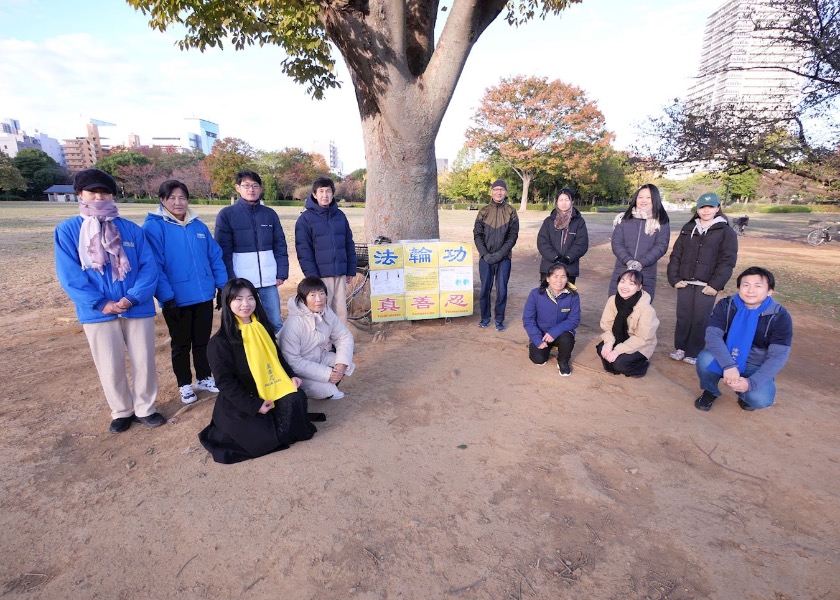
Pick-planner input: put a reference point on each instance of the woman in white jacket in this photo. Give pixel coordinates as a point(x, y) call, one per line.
point(308, 337)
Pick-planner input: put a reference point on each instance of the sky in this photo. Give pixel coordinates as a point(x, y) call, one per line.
point(63, 63)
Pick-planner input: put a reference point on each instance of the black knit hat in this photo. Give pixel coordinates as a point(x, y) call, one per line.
point(499, 183)
point(94, 179)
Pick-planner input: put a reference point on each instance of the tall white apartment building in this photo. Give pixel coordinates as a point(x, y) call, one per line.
point(730, 41)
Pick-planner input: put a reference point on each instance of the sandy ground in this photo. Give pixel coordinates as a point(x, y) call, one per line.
point(453, 468)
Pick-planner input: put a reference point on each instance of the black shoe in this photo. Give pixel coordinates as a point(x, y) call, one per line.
point(705, 401)
point(744, 405)
point(153, 420)
point(316, 417)
point(121, 424)
point(564, 368)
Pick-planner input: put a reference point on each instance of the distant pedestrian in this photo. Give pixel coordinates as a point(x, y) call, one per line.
point(107, 268)
point(253, 244)
point(495, 233)
point(700, 265)
point(324, 244)
point(563, 237)
point(640, 237)
point(190, 270)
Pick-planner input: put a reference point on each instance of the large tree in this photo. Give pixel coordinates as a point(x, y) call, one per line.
point(39, 171)
point(227, 157)
point(404, 78)
point(535, 125)
point(10, 177)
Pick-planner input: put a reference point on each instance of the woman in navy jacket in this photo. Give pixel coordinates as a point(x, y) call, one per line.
point(190, 270)
point(552, 313)
point(563, 237)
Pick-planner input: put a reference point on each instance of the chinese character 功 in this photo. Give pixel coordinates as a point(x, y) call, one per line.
point(455, 255)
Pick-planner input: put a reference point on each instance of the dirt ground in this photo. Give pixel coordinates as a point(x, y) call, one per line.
point(454, 468)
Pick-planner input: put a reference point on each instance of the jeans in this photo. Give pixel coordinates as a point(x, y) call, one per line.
point(761, 397)
point(270, 298)
point(500, 273)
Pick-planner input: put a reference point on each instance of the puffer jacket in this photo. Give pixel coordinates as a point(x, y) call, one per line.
point(190, 266)
point(253, 244)
point(495, 231)
point(641, 325)
point(708, 257)
point(566, 246)
point(324, 242)
point(542, 315)
point(89, 290)
point(307, 338)
point(630, 241)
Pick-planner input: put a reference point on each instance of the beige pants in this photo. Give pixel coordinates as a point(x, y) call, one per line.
point(110, 342)
point(337, 294)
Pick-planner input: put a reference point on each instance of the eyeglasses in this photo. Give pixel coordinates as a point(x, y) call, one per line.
point(250, 186)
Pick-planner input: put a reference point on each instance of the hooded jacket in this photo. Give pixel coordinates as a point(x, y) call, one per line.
point(190, 266)
point(542, 315)
point(307, 338)
point(495, 231)
point(770, 347)
point(707, 257)
point(253, 244)
point(324, 241)
point(641, 325)
point(89, 290)
point(565, 246)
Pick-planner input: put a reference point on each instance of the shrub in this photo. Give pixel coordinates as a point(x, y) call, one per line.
point(783, 208)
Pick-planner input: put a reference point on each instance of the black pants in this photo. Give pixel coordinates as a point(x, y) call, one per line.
point(564, 344)
point(632, 365)
point(693, 311)
point(189, 328)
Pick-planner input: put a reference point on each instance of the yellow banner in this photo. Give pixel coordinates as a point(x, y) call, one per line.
point(390, 307)
point(421, 280)
point(456, 304)
point(422, 305)
point(421, 254)
point(455, 254)
point(386, 256)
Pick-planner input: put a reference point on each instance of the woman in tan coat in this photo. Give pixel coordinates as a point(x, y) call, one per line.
point(629, 324)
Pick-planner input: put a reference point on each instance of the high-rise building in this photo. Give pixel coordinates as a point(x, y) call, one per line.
point(13, 139)
point(330, 153)
point(201, 134)
point(83, 152)
point(731, 42)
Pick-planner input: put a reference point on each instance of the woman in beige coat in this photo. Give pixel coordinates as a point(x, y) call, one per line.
point(629, 324)
point(308, 337)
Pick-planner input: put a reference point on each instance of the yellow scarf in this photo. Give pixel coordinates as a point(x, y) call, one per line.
point(272, 381)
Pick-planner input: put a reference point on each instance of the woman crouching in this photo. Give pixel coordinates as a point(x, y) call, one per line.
point(552, 313)
point(259, 409)
point(629, 323)
point(316, 342)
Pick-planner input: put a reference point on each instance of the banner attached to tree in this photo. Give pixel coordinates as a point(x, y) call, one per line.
point(420, 279)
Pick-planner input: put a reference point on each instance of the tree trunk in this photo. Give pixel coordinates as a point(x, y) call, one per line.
point(401, 195)
point(526, 183)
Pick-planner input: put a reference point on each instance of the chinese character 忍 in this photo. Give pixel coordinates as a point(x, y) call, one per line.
point(456, 299)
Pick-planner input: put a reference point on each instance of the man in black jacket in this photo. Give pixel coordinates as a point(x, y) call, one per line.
point(495, 232)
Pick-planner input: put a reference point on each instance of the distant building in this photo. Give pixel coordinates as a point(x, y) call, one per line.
point(13, 139)
point(330, 153)
point(52, 147)
point(61, 193)
point(84, 152)
point(442, 165)
point(730, 41)
point(201, 135)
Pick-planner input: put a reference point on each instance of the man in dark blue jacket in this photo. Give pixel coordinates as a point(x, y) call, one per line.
point(748, 342)
point(325, 245)
point(253, 244)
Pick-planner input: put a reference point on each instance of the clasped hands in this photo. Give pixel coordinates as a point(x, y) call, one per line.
point(116, 308)
point(337, 373)
point(546, 340)
point(732, 378)
point(269, 404)
point(608, 354)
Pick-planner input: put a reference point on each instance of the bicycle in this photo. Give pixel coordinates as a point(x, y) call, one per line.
point(358, 298)
point(824, 231)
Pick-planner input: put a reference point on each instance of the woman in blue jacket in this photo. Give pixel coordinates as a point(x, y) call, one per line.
point(552, 313)
point(190, 270)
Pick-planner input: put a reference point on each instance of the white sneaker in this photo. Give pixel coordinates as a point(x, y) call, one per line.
point(690, 360)
point(337, 396)
point(207, 384)
point(187, 394)
point(677, 354)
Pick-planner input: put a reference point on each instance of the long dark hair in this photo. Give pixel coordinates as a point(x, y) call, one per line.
point(551, 270)
point(657, 210)
point(230, 326)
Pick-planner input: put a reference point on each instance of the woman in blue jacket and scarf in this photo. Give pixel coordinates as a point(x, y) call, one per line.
point(190, 270)
point(552, 313)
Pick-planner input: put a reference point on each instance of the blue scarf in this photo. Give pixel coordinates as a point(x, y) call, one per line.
point(741, 333)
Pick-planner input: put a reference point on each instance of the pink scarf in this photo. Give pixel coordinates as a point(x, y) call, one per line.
point(99, 239)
